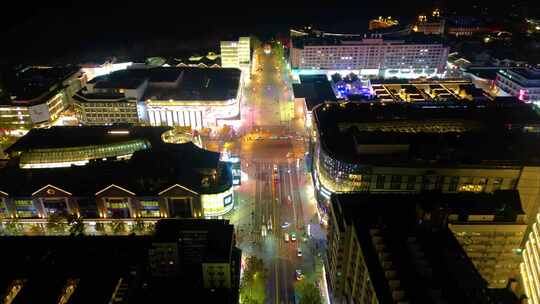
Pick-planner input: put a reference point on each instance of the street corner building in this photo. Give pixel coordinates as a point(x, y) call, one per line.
point(451, 147)
point(162, 96)
point(112, 173)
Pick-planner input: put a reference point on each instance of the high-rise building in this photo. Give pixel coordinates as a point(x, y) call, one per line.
point(229, 54)
point(404, 57)
point(236, 54)
point(521, 83)
point(490, 228)
point(530, 267)
point(396, 249)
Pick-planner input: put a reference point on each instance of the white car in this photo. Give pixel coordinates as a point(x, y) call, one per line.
point(269, 225)
point(299, 252)
point(293, 237)
point(285, 225)
point(286, 237)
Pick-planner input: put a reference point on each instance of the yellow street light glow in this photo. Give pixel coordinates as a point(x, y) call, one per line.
point(118, 132)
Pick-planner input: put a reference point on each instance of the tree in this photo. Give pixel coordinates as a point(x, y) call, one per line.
point(336, 77)
point(118, 227)
point(138, 226)
point(308, 293)
point(12, 227)
point(56, 223)
point(253, 287)
point(100, 227)
point(36, 229)
point(76, 225)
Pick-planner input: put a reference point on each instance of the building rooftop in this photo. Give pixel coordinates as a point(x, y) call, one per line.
point(34, 85)
point(529, 74)
point(316, 89)
point(316, 38)
point(198, 84)
point(409, 248)
point(436, 135)
point(67, 137)
point(404, 90)
point(148, 171)
point(220, 237)
point(83, 96)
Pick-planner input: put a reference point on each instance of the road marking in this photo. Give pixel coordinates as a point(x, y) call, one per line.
point(276, 281)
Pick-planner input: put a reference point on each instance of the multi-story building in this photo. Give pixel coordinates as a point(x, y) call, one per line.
point(171, 96)
point(476, 147)
point(35, 96)
point(112, 173)
point(464, 26)
point(110, 99)
point(521, 83)
point(197, 254)
point(530, 267)
point(407, 57)
point(382, 22)
point(388, 249)
point(236, 54)
point(429, 25)
point(490, 228)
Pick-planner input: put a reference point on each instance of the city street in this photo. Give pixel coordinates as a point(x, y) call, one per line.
point(274, 205)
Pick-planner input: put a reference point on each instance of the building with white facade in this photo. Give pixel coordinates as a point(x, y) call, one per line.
point(172, 96)
point(236, 54)
point(374, 55)
point(521, 83)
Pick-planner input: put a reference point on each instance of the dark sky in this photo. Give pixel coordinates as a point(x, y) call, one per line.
point(36, 33)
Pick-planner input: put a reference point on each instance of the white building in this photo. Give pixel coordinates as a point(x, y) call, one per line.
point(521, 83)
point(333, 53)
point(174, 96)
point(236, 54)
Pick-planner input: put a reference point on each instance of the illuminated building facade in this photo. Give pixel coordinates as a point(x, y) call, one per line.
point(530, 267)
point(430, 25)
point(381, 23)
point(36, 96)
point(163, 96)
point(366, 148)
point(112, 173)
point(236, 54)
point(374, 55)
point(521, 83)
point(110, 99)
point(383, 249)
